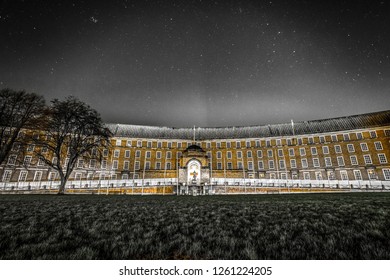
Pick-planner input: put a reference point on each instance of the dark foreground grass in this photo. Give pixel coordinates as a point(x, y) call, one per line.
point(309, 226)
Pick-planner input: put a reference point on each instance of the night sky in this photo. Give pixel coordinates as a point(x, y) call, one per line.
point(203, 63)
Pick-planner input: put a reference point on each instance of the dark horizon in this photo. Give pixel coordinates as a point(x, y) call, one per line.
point(203, 63)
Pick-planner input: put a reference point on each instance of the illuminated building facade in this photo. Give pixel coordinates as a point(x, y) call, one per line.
point(344, 152)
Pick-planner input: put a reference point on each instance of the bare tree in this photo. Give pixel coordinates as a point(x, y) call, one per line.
point(18, 111)
point(72, 130)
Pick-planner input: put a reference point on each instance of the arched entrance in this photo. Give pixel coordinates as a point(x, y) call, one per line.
point(194, 172)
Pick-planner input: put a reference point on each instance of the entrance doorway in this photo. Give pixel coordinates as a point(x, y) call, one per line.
point(193, 173)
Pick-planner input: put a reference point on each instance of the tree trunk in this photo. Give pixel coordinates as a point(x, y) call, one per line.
point(61, 189)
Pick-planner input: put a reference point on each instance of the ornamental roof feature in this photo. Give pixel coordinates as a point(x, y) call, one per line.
point(194, 148)
point(362, 121)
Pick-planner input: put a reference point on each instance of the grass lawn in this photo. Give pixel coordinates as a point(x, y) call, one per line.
point(299, 226)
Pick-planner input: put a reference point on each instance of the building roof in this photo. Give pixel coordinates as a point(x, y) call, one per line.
point(362, 121)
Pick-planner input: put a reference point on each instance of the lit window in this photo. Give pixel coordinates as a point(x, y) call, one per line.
point(371, 174)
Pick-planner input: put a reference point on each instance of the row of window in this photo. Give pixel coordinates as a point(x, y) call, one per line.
point(306, 175)
point(257, 143)
point(328, 161)
point(302, 151)
point(239, 154)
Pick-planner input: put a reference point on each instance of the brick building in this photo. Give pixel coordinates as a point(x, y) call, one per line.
point(350, 151)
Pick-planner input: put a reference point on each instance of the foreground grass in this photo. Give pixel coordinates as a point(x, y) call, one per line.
point(309, 226)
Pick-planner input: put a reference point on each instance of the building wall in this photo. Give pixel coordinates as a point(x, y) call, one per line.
point(159, 158)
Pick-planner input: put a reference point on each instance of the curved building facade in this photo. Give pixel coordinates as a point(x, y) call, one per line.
point(338, 153)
